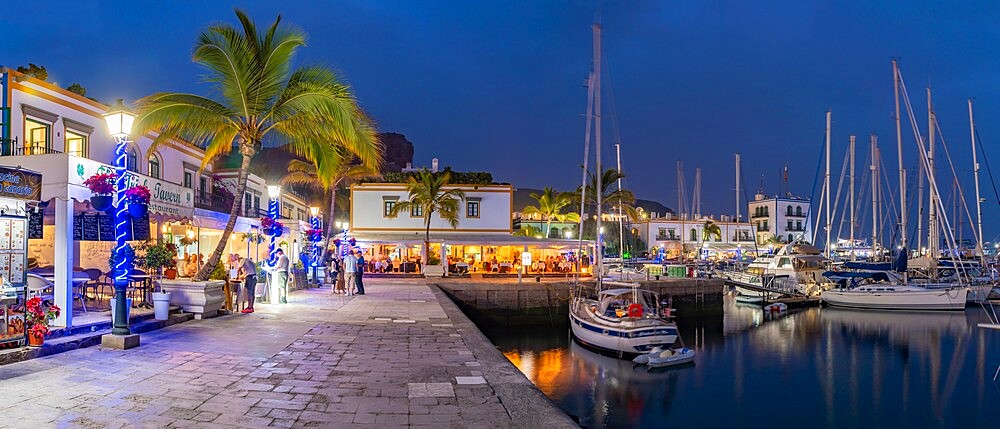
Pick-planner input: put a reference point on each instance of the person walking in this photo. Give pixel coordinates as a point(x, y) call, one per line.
point(361, 271)
point(248, 270)
point(350, 272)
point(280, 271)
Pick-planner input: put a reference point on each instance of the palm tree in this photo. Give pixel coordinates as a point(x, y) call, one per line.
point(550, 205)
point(308, 109)
point(428, 194)
point(709, 230)
point(611, 196)
point(327, 175)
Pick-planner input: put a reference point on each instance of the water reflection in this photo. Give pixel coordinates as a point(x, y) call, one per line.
point(817, 367)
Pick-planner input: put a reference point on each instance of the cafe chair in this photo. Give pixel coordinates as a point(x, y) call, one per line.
point(37, 285)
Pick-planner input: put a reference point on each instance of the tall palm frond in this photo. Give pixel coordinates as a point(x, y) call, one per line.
point(260, 98)
point(428, 191)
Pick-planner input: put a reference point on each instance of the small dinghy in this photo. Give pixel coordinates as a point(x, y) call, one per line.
point(658, 357)
point(778, 307)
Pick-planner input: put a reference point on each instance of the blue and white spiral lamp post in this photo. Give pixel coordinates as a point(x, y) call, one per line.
point(315, 239)
point(119, 119)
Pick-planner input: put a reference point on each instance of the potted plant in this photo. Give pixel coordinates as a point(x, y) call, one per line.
point(37, 320)
point(102, 186)
point(158, 256)
point(138, 200)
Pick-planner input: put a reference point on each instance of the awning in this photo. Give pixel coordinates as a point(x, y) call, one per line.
point(209, 219)
point(476, 239)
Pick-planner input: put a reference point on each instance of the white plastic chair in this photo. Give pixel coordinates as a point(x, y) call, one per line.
point(37, 285)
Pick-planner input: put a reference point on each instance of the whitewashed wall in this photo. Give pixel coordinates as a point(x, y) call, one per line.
point(367, 210)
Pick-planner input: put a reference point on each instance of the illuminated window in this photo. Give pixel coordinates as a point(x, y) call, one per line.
point(76, 144)
point(472, 209)
point(387, 207)
point(37, 137)
point(154, 166)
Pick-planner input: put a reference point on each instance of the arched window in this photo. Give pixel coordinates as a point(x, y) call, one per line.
point(154, 166)
point(132, 160)
point(789, 211)
point(798, 210)
point(694, 234)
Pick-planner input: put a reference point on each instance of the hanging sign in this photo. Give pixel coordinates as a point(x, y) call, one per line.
point(20, 184)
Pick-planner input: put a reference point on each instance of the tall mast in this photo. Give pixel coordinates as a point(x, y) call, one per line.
point(599, 172)
point(829, 225)
point(621, 212)
point(979, 200)
point(874, 178)
point(696, 205)
point(932, 223)
point(852, 194)
point(737, 188)
point(920, 199)
point(586, 160)
point(899, 152)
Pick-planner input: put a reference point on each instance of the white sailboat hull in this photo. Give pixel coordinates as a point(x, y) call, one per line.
point(910, 299)
point(622, 339)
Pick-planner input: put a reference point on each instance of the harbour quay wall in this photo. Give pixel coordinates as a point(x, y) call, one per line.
point(547, 302)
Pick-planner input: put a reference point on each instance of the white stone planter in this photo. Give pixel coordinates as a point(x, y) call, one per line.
point(204, 299)
point(434, 271)
point(161, 305)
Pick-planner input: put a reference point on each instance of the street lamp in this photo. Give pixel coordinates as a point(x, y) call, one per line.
point(316, 251)
point(273, 210)
point(120, 119)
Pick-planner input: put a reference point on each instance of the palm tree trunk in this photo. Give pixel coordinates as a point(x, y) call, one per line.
point(548, 225)
point(427, 240)
point(241, 187)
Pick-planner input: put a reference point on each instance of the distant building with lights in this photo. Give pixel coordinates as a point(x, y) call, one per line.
point(783, 218)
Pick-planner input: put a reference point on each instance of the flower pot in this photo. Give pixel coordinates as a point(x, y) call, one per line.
point(204, 299)
point(161, 305)
point(102, 202)
point(170, 273)
point(128, 309)
point(35, 340)
point(266, 231)
point(138, 210)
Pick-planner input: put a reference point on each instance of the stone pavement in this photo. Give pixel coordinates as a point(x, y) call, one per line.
point(395, 357)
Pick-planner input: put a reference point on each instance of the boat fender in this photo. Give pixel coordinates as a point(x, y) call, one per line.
point(634, 310)
point(641, 359)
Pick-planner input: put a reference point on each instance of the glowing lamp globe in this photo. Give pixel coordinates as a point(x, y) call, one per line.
point(274, 191)
point(119, 119)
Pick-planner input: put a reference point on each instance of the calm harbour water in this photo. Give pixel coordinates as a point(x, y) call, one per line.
point(819, 367)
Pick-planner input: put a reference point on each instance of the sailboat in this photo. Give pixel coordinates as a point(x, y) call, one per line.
point(624, 320)
point(891, 289)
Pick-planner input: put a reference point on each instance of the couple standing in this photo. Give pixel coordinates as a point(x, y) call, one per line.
point(351, 273)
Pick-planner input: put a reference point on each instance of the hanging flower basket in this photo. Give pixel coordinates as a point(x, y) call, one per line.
point(102, 202)
point(137, 210)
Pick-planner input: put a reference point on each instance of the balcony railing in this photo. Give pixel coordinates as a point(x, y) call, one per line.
point(760, 215)
point(36, 149)
point(215, 202)
point(667, 238)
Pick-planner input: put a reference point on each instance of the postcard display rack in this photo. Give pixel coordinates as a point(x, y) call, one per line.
point(13, 268)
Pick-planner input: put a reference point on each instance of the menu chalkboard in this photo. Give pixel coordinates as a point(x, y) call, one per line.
point(106, 227)
point(90, 228)
point(35, 221)
point(78, 227)
point(140, 228)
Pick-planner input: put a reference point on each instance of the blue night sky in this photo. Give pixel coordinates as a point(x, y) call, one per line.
point(499, 85)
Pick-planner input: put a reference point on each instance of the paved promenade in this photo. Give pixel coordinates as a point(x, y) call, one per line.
point(395, 357)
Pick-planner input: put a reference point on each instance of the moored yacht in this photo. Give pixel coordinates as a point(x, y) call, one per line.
point(625, 321)
point(796, 268)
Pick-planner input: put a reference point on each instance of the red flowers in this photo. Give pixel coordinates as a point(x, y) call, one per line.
point(102, 183)
point(37, 318)
point(138, 194)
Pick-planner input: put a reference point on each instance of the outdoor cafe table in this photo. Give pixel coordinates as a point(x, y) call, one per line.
point(144, 279)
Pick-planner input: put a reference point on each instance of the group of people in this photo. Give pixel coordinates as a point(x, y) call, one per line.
point(247, 272)
point(347, 273)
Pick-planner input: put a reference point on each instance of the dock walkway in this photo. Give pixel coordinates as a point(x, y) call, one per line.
point(401, 356)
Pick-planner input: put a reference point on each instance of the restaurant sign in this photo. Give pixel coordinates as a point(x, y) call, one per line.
point(20, 184)
point(165, 198)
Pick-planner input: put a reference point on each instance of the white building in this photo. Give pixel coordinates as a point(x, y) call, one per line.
point(64, 137)
point(483, 234)
point(677, 235)
point(785, 218)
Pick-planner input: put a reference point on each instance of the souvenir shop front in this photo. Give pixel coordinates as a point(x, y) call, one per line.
point(20, 218)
